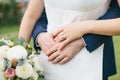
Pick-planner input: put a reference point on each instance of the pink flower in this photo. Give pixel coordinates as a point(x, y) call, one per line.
point(10, 73)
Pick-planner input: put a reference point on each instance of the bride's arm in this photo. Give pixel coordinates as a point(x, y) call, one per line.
point(30, 17)
point(107, 27)
point(75, 30)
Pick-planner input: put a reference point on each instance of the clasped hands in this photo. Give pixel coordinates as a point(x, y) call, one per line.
point(58, 48)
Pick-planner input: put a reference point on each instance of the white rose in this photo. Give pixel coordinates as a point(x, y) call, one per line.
point(17, 52)
point(35, 76)
point(37, 64)
point(2, 67)
point(4, 51)
point(2, 76)
point(24, 71)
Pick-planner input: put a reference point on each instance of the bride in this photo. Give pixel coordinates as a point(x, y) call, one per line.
point(84, 65)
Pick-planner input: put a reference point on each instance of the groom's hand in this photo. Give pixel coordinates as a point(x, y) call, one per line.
point(45, 41)
point(67, 53)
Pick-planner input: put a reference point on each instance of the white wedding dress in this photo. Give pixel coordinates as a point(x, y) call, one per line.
point(85, 65)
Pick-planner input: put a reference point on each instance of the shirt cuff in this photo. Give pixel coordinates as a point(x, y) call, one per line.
point(36, 41)
point(84, 41)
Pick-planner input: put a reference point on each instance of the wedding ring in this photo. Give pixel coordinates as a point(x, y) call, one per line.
point(63, 37)
point(59, 58)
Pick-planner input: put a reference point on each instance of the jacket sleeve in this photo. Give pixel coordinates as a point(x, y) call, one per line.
point(94, 41)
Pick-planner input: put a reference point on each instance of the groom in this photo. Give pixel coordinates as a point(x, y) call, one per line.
point(91, 42)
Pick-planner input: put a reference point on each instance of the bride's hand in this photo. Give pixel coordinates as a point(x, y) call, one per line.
point(70, 32)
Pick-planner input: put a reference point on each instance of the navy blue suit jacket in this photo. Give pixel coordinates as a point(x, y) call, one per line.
point(93, 41)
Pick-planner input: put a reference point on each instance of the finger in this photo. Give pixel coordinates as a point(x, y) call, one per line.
point(64, 43)
point(60, 37)
point(58, 59)
point(53, 56)
point(52, 50)
point(57, 31)
point(52, 35)
point(63, 61)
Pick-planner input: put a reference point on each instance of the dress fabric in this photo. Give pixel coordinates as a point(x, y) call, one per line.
point(85, 65)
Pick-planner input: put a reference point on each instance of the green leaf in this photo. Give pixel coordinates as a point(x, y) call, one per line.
point(7, 63)
point(30, 78)
point(2, 43)
point(20, 62)
point(17, 79)
point(20, 41)
point(28, 48)
point(41, 78)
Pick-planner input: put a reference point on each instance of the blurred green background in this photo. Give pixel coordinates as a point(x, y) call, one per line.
point(11, 12)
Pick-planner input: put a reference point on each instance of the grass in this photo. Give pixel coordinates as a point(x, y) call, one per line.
point(8, 29)
point(12, 32)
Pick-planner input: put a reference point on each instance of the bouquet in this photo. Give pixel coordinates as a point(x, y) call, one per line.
point(18, 61)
